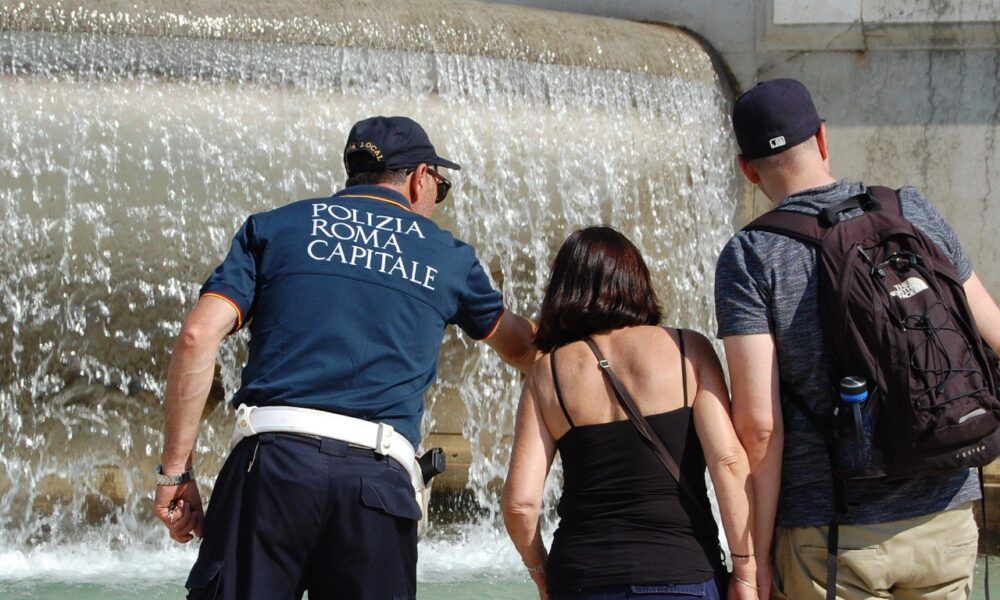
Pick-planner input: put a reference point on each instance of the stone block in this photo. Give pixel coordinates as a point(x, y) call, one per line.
point(797, 12)
point(5, 483)
point(448, 410)
point(51, 492)
point(99, 509)
point(458, 454)
point(930, 11)
point(111, 483)
point(810, 25)
point(109, 500)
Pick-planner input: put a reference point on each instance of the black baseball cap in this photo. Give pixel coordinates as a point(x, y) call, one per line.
point(383, 143)
point(773, 116)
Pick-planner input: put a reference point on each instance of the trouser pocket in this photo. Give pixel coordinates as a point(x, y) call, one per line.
point(204, 581)
point(390, 493)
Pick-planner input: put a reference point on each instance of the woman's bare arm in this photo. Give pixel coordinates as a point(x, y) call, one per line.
point(521, 501)
point(724, 455)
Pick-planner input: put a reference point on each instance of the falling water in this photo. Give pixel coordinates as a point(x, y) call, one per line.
point(132, 144)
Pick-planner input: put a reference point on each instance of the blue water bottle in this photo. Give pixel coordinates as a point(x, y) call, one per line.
point(853, 393)
point(855, 429)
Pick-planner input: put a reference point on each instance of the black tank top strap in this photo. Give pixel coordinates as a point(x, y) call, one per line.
point(684, 370)
point(555, 383)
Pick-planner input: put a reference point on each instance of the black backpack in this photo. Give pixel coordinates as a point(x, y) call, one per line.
point(894, 312)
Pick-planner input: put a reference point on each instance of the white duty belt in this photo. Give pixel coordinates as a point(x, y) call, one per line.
point(378, 437)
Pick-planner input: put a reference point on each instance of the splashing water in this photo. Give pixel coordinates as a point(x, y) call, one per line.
point(128, 161)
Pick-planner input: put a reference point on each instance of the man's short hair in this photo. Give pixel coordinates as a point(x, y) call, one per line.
point(390, 176)
point(789, 159)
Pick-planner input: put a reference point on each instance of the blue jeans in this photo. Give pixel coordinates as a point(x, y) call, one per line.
point(706, 590)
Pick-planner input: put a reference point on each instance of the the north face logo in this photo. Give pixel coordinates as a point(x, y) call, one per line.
point(969, 452)
point(909, 288)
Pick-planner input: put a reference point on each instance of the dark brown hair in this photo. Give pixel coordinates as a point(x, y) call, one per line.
point(599, 282)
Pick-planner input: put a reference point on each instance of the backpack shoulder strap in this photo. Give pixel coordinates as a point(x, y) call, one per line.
point(796, 225)
point(887, 198)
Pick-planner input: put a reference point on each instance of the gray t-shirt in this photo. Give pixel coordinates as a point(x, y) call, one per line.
point(767, 283)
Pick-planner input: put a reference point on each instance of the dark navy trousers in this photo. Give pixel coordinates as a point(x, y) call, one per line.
point(293, 513)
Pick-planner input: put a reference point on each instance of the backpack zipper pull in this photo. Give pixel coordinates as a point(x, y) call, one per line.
point(867, 258)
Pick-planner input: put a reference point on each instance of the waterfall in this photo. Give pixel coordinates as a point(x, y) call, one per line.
point(133, 143)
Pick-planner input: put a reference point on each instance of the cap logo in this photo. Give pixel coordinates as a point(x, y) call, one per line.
point(368, 146)
point(777, 142)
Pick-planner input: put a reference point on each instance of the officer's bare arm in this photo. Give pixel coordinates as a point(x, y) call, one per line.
point(753, 374)
point(512, 339)
point(984, 310)
point(189, 377)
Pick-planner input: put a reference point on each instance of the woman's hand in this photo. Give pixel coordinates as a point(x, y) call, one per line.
point(743, 582)
point(738, 591)
point(539, 579)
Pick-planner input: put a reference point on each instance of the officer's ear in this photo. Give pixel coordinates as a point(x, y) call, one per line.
point(416, 183)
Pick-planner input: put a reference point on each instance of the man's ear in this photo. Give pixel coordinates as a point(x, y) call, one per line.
point(821, 142)
point(749, 171)
point(416, 182)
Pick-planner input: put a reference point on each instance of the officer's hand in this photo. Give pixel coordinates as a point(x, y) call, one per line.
point(179, 507)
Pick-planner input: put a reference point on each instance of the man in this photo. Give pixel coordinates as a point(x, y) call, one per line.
point(914, 538)
point(347, 299)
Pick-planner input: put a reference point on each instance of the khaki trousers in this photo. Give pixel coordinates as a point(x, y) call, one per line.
point(931, 557)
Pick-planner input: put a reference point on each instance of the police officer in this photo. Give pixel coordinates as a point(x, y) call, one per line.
point(347, 299)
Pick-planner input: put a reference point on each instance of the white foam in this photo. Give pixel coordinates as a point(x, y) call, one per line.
point(466, 553)
point(471, 552)
point(84, 563)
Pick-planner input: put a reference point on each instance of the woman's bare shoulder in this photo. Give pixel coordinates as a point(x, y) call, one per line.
point(697, 341)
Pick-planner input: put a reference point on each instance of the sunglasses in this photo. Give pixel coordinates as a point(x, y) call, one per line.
point(443, 185)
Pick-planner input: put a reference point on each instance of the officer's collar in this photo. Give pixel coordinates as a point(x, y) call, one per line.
point(375, 192)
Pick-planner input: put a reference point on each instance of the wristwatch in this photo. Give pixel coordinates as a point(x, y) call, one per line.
point(178, 479)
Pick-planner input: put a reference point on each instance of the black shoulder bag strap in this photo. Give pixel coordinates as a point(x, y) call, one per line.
point(651, 438)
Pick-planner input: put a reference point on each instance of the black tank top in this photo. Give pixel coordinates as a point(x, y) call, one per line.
point(622, 518)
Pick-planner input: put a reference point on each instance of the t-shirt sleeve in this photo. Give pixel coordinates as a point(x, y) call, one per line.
point(480, 306)
point(741, 301)
point(919, 211)
point(235, 280)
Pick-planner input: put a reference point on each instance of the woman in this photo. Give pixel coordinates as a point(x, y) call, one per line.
point(626, 529)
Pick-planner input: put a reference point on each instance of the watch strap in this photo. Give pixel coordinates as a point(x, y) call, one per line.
point(178, 479)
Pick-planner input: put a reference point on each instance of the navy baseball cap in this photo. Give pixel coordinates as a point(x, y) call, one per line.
point(773, 116)
point(383, 143)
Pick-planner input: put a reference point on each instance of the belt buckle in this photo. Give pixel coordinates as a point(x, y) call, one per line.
point(243, 419)
point(383, 439)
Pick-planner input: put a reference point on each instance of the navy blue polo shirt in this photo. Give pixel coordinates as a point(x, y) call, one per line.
point(347, 299)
